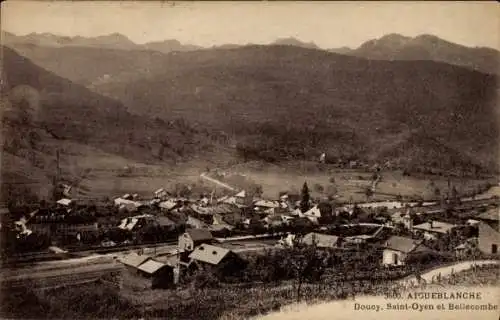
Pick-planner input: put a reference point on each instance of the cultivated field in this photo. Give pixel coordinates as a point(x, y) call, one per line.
point(94, 173)
point(345, 183)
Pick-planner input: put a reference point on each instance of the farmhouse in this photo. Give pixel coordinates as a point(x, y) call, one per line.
point(133, 260)
point(161, 194)
point(64, 202)
point(488, 239)
point(144, 271)
point(434, 229)
point(195, 223)
point(127, 204)
point(266, 206)
point(193, 238)
point(490, 217)
point(140, 221)
point(207, 256)
point(402, 219)
point(168, 205)
point(273, 221)
point(398, 249)
point(59, 222)
point(464, 249)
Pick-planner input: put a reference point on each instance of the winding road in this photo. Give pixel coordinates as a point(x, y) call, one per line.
point(217, 182)
point(449, 269)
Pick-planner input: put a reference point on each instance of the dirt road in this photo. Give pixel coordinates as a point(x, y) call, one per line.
point(447, 270)
point(217, 182)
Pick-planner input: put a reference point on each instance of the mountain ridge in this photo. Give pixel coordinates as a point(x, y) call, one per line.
point(388, 47)
point(256, 92)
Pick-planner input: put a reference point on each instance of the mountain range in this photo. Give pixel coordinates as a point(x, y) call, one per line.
point(43, 112)
point(388, 47)
point(271, 102)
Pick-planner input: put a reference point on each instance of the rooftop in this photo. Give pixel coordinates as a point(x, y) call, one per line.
point(322, 240)
point(134, 259)
point(402, 244)
point(490, 214)
point(435, 226)
point(199, 234)
point(209, 254)
point(151, 266)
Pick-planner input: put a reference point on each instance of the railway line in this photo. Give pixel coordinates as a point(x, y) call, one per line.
point(57, 276)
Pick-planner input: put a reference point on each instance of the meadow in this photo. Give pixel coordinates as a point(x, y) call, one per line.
point(348, 184)
point(97, 174)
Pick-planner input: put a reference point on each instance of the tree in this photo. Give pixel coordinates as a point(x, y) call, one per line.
point(454, 195)
point(368, 193)
point(304, 202)
point(437, 192)
point(305, 264)
point(318, 188)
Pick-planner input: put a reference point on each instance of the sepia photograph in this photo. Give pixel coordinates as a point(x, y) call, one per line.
point(283, 160)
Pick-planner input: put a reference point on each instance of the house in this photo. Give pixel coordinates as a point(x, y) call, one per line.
point(466, 248)
point(59, 222)
point(434, 229)
point(133, 260)
point(253, 223)
point(472, 222)
point(317, 212)
point(272, 221)
point(160, 274)
point(219, 227)
point(195, 223)
point(136, 222)
point(165, 223)
point(398, 249)
point(401, 218)
point(168, 205)
point(193, 238)
point(127, 204)
point(204, 201)
point(4, 210)
point(145, 271)
point(127, 196)
point(321, 240)
point(287, 241)
point(64, 202)
point(287, 220)
point(241, 199)
point(488, 239)
point(302, 223)
point(161, 194)
point(221, 230)
point(207, 256)
point(490, 217)
point(262, 205)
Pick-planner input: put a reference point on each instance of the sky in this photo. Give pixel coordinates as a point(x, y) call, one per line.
point(328, 24)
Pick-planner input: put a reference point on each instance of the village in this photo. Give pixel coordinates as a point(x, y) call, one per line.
point(164, 240)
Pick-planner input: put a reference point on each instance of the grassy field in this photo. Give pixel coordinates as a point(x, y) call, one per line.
point(347, 184)
point(98, 174)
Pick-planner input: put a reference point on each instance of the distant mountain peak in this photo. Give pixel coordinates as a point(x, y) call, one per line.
point(394, 37)
point(429, 47)
point(291, 41)
point(113, 38)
